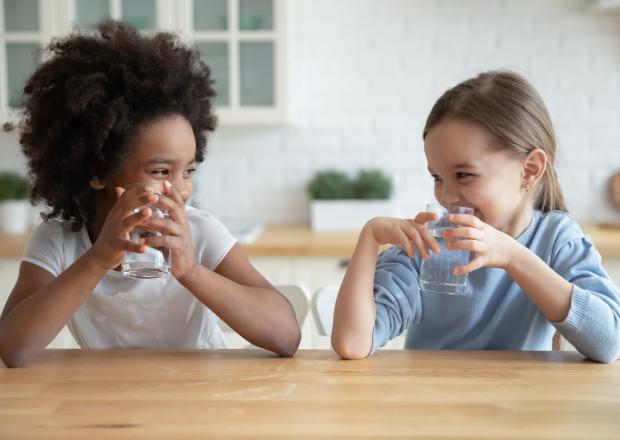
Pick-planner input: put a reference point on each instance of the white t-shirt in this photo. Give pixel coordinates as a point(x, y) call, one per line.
point(127, 312)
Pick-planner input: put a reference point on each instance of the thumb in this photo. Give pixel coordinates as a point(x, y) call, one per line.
point(119, 191)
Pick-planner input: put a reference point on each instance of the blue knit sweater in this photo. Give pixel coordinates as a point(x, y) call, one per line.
point(498, 315)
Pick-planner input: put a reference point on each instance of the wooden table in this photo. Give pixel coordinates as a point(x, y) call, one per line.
point(86, 394)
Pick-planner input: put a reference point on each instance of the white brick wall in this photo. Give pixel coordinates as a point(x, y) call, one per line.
point(365, 73)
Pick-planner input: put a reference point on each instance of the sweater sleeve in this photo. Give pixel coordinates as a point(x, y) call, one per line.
point(397, 296)
point(593, 321)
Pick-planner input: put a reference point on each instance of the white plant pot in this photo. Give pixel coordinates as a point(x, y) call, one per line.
point(338, 215)
point(14, 216)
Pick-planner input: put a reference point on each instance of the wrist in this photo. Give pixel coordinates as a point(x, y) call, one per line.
point(94, 264)
point(367, 235)
point(190, 276)
point(515, 252)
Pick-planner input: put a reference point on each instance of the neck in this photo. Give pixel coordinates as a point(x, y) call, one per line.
point(521, 219)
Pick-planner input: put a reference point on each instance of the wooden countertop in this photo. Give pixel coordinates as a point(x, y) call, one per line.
point(303, 241)
point(243, 394)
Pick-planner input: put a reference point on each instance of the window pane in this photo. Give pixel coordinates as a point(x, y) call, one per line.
point(256, 74)
point(20, 60)
point(255, 15)
point(90, 12)
point(215, 55)
point(140, 13)
point(210, 15)
point(21, 15)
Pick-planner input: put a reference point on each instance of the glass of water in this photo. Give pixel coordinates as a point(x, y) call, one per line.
point(437, 272)
point(154, 262)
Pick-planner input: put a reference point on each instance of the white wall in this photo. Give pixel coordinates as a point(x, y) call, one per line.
point(363, 75)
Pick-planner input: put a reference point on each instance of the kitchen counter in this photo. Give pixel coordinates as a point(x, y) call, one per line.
point(303, 241)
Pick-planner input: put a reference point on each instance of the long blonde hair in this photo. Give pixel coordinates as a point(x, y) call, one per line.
point(506, 105)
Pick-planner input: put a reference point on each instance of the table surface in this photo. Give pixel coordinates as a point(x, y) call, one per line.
point(175, 394)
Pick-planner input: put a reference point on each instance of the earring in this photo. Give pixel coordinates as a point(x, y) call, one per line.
point(527, 188)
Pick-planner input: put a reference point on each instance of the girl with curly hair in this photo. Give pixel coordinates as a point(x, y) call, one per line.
point(115, 122)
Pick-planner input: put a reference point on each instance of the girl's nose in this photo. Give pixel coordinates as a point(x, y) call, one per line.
point(448, 196)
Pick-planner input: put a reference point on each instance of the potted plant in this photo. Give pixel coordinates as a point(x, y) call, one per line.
point(340, 202)
point(14, 206)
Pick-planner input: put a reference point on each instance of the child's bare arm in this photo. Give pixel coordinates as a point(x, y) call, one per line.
point(40, 305)
point(247, 302)
point(355, 310)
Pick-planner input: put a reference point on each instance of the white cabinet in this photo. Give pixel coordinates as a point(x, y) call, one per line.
point(242, 41)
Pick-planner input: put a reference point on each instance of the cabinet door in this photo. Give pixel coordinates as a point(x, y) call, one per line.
point(23, 31)
point(243, 42)
point(146, 15)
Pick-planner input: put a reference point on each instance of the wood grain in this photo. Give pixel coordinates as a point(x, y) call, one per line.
point(242, 394)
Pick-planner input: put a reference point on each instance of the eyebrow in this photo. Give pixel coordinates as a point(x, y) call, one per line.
point(459, 165)
point(166, 161)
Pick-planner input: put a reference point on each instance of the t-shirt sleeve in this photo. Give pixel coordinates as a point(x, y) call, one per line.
point(45, 247)
point(211, 238)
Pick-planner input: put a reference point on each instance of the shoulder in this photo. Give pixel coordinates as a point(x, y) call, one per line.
point(211, 238)
point(52, 232)
point(558, 226)
point(46, 247)
point(560, 238)
point(204, 223)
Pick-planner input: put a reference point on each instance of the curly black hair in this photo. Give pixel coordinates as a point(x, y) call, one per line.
point(83, 105)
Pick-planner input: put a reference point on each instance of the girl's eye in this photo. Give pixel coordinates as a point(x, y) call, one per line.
point(435, 178)
point(162, 172)
point(463, 175)
point(190, 171)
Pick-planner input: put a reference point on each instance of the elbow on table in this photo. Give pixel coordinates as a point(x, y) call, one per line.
point(349, 349)
point(286, 346)
point(12, 358)
point(606, 356)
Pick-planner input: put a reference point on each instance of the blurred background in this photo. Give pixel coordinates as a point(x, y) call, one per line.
point(308, 85)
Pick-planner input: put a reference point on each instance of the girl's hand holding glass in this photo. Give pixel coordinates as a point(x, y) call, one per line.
point(409, 234)
point(491, 247)
point(175, 230)
point(113, 240)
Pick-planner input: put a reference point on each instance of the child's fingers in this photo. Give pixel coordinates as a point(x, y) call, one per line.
point(424, 217)
point(128, 246)
point(130, 222)
point(131, 205)
point(162, 241)
point(466, 232)
point(429, 238)
point(164, 225)
point(173, 193)
point(474, 264)
point(466, 220)
point(466, 245)
point(403, 240)
point(414, 237)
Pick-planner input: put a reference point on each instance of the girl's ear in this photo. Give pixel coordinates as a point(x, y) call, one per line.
point(96, 184)
point(534, 167)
